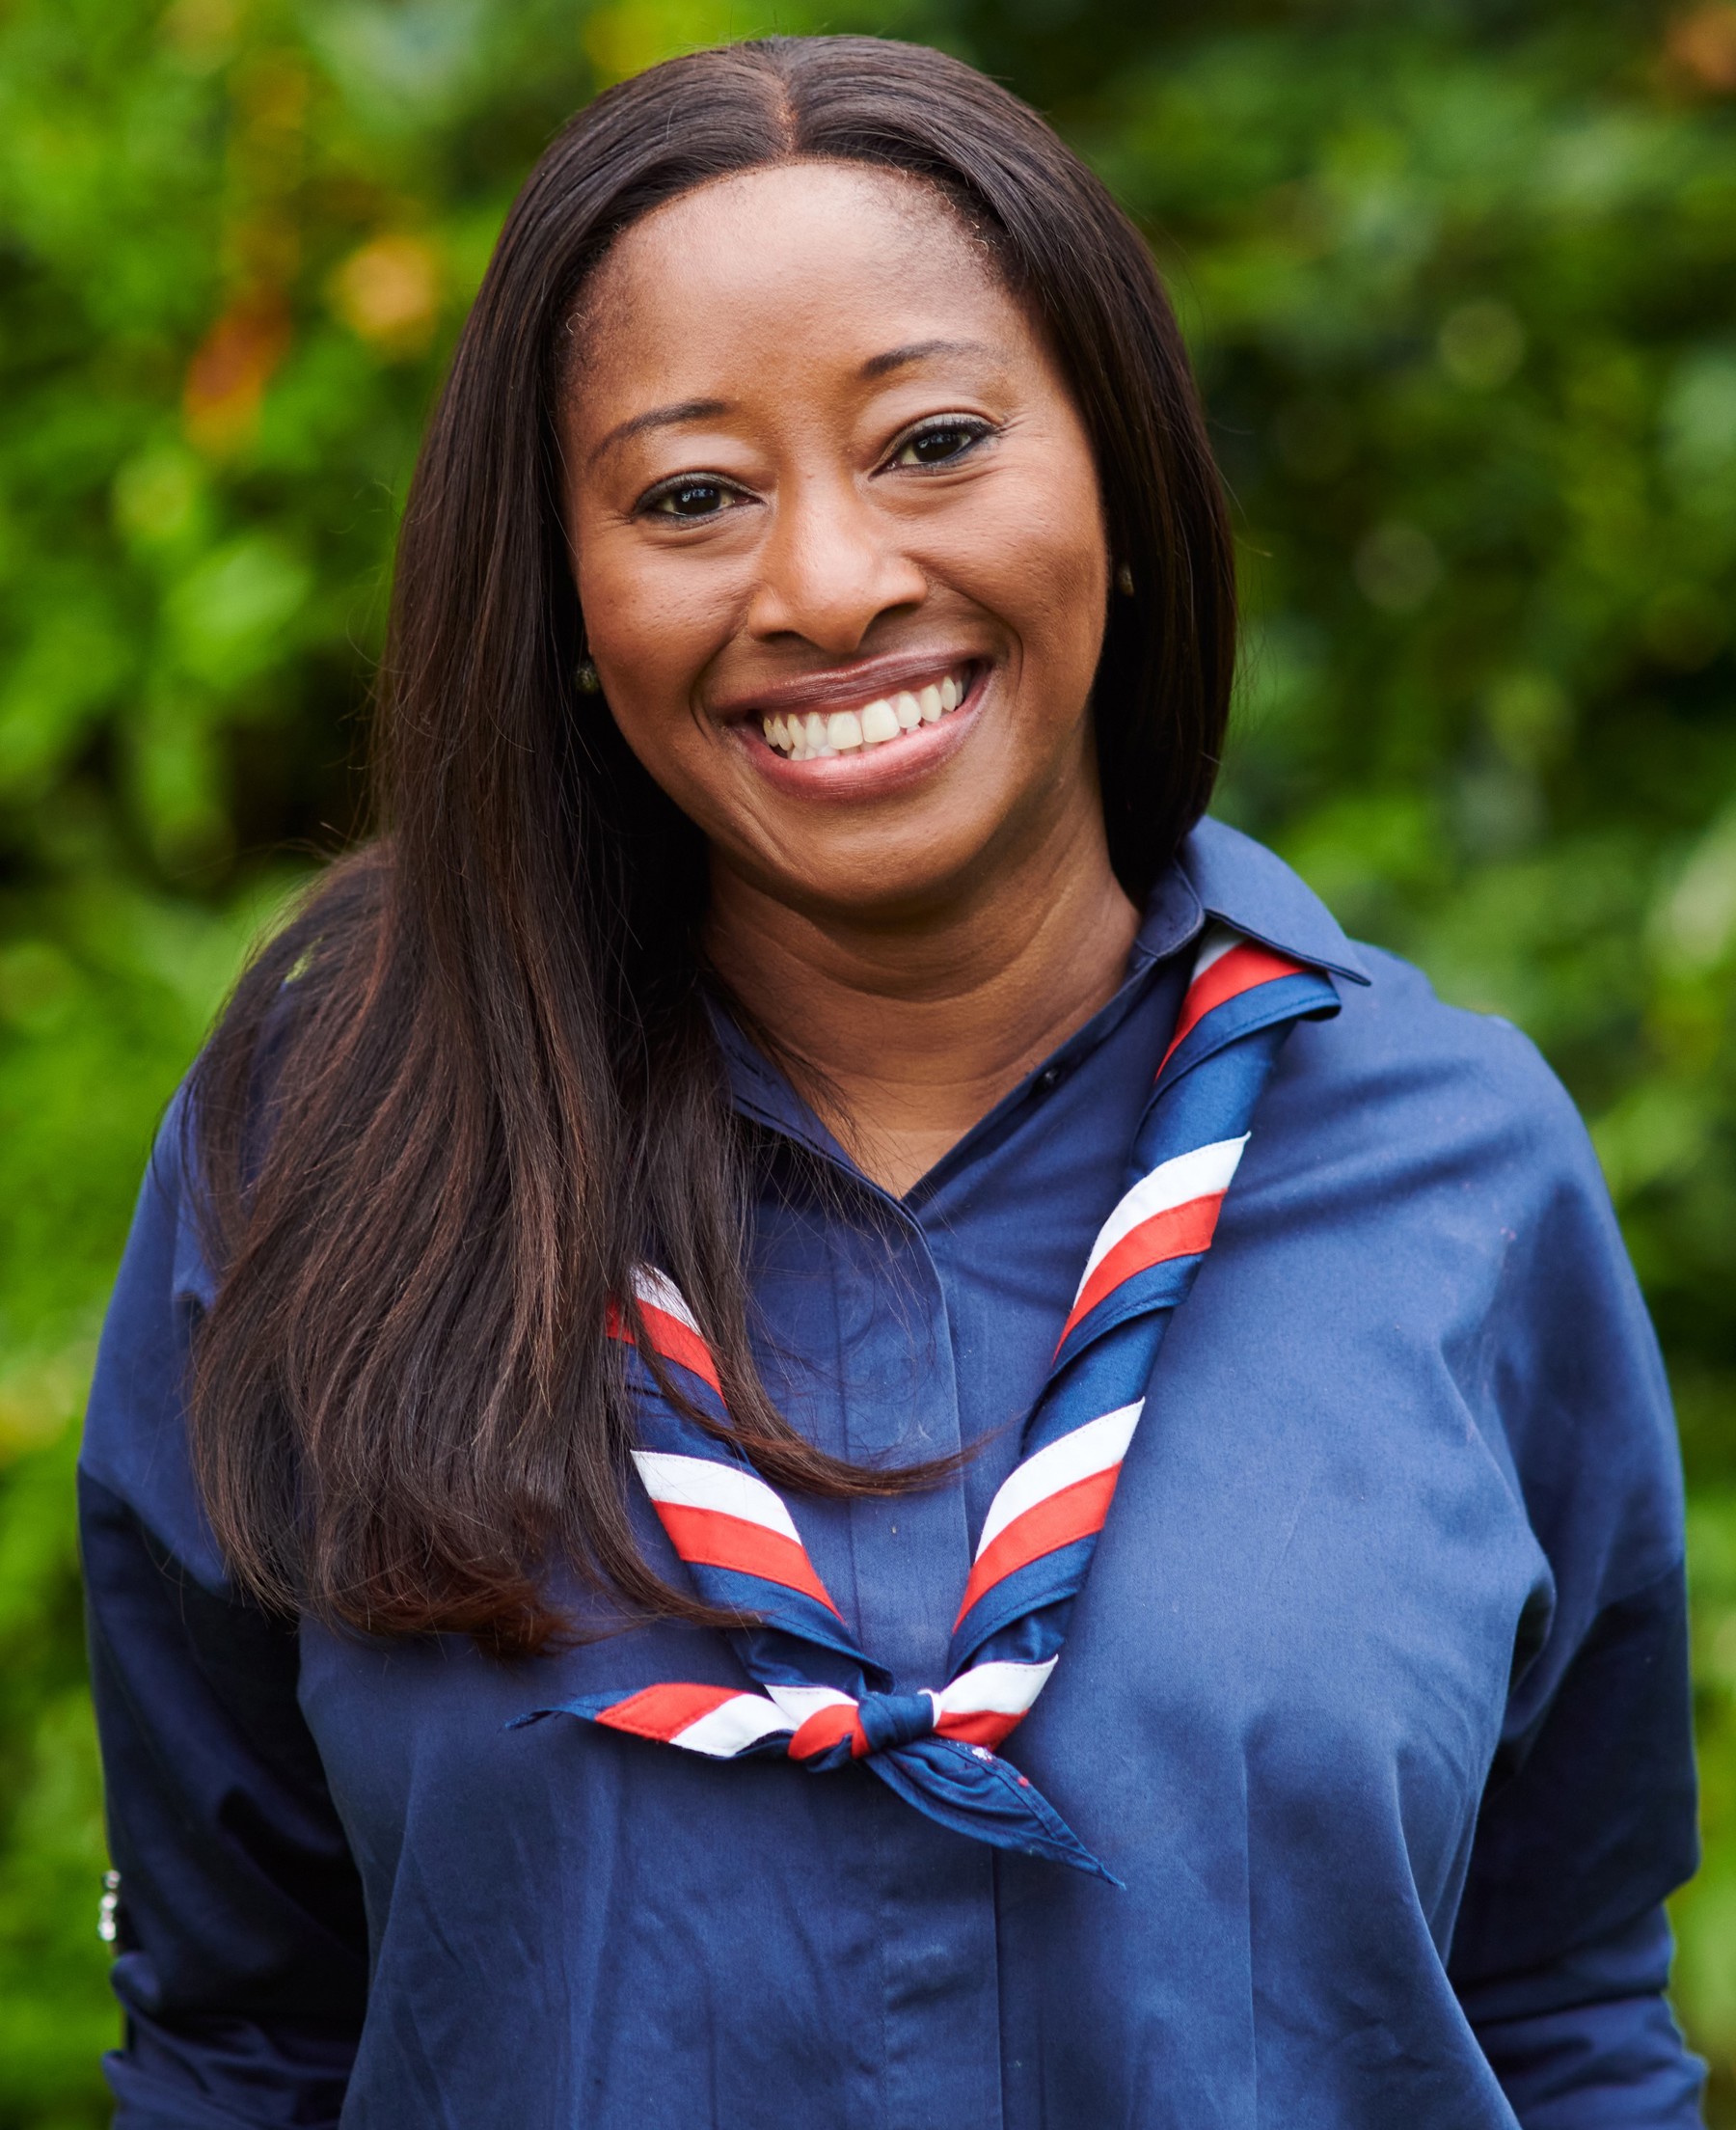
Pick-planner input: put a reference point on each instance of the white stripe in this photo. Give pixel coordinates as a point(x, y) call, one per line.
point(732, 1727)
point(1204, 1173)
point(800, 1703)
point(1095, 1447)
point(700, 1482)
point(1218, 940)
point(656, 1291)
point(1008, 1689)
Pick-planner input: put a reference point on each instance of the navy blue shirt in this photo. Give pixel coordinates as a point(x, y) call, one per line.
point(1375, 1699)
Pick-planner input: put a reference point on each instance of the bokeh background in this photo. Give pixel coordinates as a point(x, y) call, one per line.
point(1460, 277)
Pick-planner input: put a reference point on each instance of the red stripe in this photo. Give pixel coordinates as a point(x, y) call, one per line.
point(672, 1339)
point(662, 1712)
point(1228, 977)
point(825, 1727)
point(709, 1538)
point(1076, 1512)
point(980, 1727)
point(1182, 1231)
point(676, 1342)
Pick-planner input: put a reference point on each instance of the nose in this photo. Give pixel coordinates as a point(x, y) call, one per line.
point(830, 566)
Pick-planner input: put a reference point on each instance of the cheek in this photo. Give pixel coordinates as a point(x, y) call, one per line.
point(651, 630)
point(637, 608)
point(1043, 561)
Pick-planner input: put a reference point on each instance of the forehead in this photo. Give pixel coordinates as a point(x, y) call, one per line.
point(785, 266)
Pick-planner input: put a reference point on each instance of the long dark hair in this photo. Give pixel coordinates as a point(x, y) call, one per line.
point(454, 1101)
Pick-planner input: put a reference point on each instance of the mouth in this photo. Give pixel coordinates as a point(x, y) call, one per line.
point(885, 721)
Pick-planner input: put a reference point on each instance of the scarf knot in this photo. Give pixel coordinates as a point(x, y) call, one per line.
point(888, 1720)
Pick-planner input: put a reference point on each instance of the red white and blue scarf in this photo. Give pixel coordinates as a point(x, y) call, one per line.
point(819, 1699)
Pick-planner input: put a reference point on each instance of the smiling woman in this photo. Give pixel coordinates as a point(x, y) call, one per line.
point(654, 1285)
point(845, 593)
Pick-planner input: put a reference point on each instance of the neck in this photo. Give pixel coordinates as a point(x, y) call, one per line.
point(902, 1029)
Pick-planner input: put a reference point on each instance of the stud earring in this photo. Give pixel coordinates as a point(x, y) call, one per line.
point(585, 674)
point(1124, 582)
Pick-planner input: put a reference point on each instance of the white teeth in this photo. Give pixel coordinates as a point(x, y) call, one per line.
point(819, 736)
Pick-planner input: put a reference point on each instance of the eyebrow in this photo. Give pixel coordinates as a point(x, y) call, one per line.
point(920, 351)
point(660, 418)
point(706, 410)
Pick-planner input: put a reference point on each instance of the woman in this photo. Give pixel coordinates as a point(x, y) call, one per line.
point(598, 1604)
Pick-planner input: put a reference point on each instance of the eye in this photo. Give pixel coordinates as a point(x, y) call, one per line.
point(693, 497)
point(941, 441)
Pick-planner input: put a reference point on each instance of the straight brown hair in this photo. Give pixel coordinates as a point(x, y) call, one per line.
point(473, 1082)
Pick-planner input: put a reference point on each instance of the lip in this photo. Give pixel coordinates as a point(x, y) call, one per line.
point(866, 772)
point(846, 687)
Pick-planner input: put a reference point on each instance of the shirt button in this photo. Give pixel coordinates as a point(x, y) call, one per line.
point(1048, 1079)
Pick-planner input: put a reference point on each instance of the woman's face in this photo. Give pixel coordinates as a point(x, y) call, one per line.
point(838, 539)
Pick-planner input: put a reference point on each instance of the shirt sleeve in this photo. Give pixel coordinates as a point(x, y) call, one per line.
point(241, 1962)
point(1562, 1951)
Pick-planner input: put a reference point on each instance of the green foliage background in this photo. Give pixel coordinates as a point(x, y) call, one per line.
point(1462, 279)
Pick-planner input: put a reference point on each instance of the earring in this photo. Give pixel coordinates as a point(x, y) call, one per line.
point(585, 675)
point(1124, 580)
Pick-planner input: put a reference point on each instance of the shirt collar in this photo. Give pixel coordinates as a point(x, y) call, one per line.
point(1253, 891)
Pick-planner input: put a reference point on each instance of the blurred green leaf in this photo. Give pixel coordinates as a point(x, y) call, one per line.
point(1461, 284)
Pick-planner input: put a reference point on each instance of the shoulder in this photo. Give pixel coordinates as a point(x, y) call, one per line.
point(1397, 1065)
point(1444, 1150)
point(193, 1201)
point(1424, 1171)
point(1444, 1070)
point(1451, 1128)
point(134, 1450)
